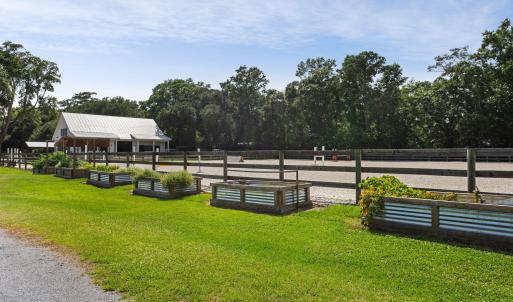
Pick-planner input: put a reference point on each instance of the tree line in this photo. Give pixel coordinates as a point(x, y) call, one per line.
point(361, 102)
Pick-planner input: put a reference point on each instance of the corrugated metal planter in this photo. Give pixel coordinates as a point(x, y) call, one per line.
point(274, 197)
point(47, 170)
point(71, 173)
point(108, 179)
point(490, 225)
point(153, 188)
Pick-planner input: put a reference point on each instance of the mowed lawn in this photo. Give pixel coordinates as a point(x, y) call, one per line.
point(185, 250)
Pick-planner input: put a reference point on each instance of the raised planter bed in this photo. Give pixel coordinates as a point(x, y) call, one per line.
point(274, 197)
point(108, 179)
point(71, 173)
point(484, 224)
point(152, 187)
point(47, 170)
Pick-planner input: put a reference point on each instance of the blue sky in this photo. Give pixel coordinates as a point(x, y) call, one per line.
point(125, 48)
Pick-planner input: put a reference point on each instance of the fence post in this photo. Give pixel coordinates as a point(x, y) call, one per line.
point(128, 159)
point(282, 165)
point(46, 157)
point(185, 160)
point(358, 172)
point(107, 157)
point(153, 164)
point(435, 211)
point(94, 155)
point(225, 166)
point(471, 170)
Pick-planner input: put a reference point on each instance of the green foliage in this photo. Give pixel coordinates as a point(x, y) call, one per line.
point(168, 180)
point(145, 173)
point(68, 162)
point(25, 80)
point(172, 179)
point(375, 188)
point(130, 170)
point(86, 102)
point(39, 163)
point(53, 160)
point(100, 168)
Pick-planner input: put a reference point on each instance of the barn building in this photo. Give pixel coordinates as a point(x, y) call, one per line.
point(87, 132)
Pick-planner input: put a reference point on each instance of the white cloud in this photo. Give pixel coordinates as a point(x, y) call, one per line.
point(411, 26)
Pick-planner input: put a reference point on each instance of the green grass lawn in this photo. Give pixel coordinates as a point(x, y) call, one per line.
point(185, 250)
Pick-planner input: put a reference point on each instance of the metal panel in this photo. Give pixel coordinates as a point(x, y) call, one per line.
point(122, 178)
point(228, 194)
point(191, 188)
point(259, 197)
point(485, 222)
point(406, 213)
point(290, 196)
point(104, 177)
point(158, 187)
point(144, 184)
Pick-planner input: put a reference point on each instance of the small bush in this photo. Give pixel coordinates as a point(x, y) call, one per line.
point(375, 188)
point(39, 163)
point(146, 173)
point(68, 162)
point(182, 178)
point(101, 168)
point(130, 170)
point(53, 160)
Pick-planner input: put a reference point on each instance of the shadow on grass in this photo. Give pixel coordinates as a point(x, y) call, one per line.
point(502, 249)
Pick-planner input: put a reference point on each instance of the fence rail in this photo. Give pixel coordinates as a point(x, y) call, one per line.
point(192, 159)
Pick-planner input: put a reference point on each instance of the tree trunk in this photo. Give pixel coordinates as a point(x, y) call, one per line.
point(5, 125)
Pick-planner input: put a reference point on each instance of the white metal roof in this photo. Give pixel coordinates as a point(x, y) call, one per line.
point(113, 127)
point(39, 144)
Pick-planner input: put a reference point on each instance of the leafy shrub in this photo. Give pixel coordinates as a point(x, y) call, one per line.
point(168, 180)
point(87, 165)
point(130, 170)
point(146, 173)
point(101, 168)
point(182, 178)
point(68, 162)
point(375, 188)
point(53, 160)
point(39, 163)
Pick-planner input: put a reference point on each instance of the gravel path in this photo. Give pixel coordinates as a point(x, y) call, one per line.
point(33, 273)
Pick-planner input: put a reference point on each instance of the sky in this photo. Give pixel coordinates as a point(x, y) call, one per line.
point(126, 47)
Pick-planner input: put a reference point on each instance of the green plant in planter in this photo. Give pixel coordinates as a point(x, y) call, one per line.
point(55, 158)
point(52, 161)
point(146, 173)
point(39, 163)
point(173, 179)
point(375, 188)
point(68, 162)
point(130, 170)
point(101, 168)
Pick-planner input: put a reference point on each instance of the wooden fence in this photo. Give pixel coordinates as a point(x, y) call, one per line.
point(191, 159)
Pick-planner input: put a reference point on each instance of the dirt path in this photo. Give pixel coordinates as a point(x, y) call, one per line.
point(34, 273)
